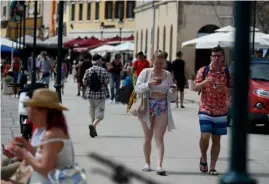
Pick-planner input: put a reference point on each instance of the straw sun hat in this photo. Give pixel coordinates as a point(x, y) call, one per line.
point(45, 98)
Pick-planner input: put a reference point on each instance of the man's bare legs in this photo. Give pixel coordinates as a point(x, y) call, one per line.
point(204, 143)
point(215, 150)
point(182, 99)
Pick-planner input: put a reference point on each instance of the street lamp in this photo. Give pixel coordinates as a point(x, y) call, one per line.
point(238, 164)
point(58, 84)
point(120, 27)
point(102, 30)
point(33, 75)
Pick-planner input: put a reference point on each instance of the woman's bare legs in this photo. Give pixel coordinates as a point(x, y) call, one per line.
point(148, 135)
point(160, 125)
point(79, 87)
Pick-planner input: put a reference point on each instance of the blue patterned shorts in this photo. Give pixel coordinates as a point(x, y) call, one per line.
point(157, 107)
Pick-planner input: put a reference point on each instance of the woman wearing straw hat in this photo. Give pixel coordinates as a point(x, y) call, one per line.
point(56, 149)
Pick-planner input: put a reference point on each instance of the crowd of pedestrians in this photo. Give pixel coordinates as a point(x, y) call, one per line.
point(153, 86)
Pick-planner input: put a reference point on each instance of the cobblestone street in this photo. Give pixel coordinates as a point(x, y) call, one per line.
point(9, 119)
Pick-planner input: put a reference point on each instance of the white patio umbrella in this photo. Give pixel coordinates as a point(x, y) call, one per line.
point(103, 48)
point(54, 41)
point(259, 41)
point(225, 29)
point(204, 42)
point(231, 29)
point(8, 42)
point(265, 39)
point(127, 46)
point(223, 40)
point(29, 40)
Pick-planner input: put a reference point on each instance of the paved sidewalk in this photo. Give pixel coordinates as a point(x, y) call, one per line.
point(9, 119)
point(121, 138)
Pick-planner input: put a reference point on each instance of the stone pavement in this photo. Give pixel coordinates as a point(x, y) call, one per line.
point(9, 119)
point(121, 139)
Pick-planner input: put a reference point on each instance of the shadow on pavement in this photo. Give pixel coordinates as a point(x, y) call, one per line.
point(120, 137)
point(263, 175)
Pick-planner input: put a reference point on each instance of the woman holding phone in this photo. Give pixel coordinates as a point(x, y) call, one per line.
point(158, 84)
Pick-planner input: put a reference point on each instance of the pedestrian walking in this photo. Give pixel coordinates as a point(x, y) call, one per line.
point(168, 65)
point(83, 66)
point(96, 80)
point(74, 70)
point(115, 71)
point(213, 81)
point(179, 71)
point(156, 85)
point(45, 68)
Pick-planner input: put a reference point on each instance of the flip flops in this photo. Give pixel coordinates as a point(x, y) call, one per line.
point(213, 172)
point(203, 166)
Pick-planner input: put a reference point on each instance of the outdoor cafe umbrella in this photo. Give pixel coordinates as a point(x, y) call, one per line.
point(7, 49)
point(8, 42)
point(127, 46)
point(104, 48)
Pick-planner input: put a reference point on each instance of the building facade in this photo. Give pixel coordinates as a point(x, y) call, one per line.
point(99, 18)
point(9, 27)
point(176, 22)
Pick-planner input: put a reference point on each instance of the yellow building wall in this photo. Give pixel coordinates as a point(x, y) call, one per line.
point(93, 24)
point(29, 25)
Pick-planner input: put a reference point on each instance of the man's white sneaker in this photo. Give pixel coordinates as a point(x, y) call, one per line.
point(111, 101)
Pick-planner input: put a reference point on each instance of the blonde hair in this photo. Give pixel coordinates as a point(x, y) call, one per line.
point(159, 55)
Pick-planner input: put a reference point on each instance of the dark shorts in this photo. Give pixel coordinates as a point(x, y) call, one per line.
point(181, 86)
point(216, 125)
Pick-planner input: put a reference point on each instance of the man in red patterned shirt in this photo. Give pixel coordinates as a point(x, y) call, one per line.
point(213, 81)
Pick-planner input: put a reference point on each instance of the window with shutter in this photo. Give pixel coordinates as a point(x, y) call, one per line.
point(80, 18)
point(119, 9)
point(108, 9)
point(130, 9)
point(97, 10)
point(73, 11)
point(89, 10)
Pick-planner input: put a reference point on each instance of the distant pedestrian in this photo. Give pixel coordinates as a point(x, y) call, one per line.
point(83, 66)
point(168, 65)
point(157, 85)
point(74, 71)
point(45, 68)
point(213, 81)
point(96, 80)
point(115, 71)
point(179, 70)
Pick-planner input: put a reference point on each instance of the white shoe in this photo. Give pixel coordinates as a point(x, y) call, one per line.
point(111, 101)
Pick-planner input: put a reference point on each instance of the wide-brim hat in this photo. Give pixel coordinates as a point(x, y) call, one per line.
point(45, 98)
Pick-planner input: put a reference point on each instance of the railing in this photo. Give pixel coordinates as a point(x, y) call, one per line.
point(121, 175)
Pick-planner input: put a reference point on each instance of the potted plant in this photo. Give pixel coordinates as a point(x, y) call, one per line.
point(191, 82)
point(6, 82)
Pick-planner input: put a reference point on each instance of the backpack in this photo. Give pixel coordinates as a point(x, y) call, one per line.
point(94, 82)
point(206, 70)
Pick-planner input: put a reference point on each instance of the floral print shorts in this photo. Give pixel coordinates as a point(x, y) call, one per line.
point(157, 107)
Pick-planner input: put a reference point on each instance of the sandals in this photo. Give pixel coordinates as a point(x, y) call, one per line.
point(204, 166)
point(146, 168)
point(161, 172)
point(93, 132)
point(213, 172)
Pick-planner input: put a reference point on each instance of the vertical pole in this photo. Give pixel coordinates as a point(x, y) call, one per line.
point(24, 61)
point(153, 28)
point(254, 25)
point(20, 33)
point(23, 42)
point(16, 34)
point(238, 164)
point(58, 84)
point(33, 75)
point(120, 34)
